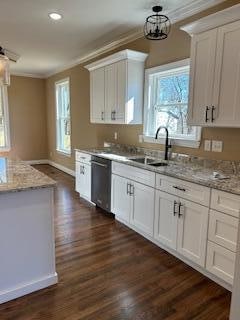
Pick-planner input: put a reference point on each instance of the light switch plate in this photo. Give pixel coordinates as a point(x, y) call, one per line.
point(115, 135)
point(217, 146)
point(207, 145)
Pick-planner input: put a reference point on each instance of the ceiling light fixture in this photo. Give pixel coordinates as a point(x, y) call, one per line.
point(4, 69)
point(157, 26)
point(55, 16)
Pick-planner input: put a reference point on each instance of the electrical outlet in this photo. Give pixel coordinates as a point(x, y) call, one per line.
point(140, 138)
point(115, 135)
point(207, 145)
point(217, 146)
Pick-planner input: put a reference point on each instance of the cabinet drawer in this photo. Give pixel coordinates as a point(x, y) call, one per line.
point(140, 175)
point(186, 190)
point(223, 230)
point(221, 262)
point(225, 202)
point(83, 157)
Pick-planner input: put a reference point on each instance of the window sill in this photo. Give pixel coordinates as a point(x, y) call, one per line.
point(64, 153)
point(175, 142)
point(5, 149)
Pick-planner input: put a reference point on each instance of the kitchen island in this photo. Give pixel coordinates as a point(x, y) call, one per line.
point(27, 250)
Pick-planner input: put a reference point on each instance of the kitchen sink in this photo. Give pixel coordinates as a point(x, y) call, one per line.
point(149, 161)
point(143, 160)
point(158, 164)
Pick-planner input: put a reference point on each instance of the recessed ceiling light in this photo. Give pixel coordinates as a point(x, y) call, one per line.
point(55, 16)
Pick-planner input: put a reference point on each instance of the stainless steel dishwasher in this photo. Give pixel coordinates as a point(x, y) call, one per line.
point(101, 183)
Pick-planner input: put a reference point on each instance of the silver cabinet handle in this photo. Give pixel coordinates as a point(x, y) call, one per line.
point(174, 208)
point(180, 207)
point(102, 115)
point(131, 190)
point(212, 114)
point(99, 164)
point(206, 114)
point(179, 188)
point(113, 115)
point(128, 188)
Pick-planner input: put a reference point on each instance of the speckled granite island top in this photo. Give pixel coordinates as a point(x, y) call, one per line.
point(184, 167)
point(16, 175)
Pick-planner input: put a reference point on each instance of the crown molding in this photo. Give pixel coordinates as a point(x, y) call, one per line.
point(214, 20)
point(134, 35)
point(28, 75)
point(175, 16)
point(191, 9)
point(118, 56)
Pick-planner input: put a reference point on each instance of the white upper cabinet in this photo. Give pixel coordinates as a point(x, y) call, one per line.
point(203, 53)
point(116, 85)
point(215, 70)
point(226, 94)
point(97, 100)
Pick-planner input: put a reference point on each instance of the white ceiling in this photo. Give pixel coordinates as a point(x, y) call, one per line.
point(45, 45)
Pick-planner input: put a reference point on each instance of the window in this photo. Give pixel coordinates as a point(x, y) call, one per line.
point(63, 117)
point(4, 120)
point(166, 104)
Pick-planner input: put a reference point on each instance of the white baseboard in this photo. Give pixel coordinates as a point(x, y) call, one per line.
point(62, 168)
point(33, 162)
point(53, 164)
point(27, 288)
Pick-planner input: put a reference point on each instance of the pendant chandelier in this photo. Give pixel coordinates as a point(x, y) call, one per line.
point(157, 26)
point(4, 69)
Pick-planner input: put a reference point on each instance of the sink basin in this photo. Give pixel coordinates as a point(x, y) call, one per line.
point(143, 160)
point(149, 161)
point(158, 164)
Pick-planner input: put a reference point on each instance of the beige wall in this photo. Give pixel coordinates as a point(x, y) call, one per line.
point(27, 113)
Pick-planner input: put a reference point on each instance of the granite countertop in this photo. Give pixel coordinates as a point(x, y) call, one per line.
point(16, 175)
point(191, 169)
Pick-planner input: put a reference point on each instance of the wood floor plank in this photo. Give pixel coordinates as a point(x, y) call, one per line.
point(109, 272)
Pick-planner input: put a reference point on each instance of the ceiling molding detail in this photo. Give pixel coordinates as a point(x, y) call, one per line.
point(192, 9)
point(175, 16)
point(27, 75)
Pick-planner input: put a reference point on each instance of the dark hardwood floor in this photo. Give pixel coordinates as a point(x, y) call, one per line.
point(107, 271)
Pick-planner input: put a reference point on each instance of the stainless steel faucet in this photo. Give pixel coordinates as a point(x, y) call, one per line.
point(167, 144)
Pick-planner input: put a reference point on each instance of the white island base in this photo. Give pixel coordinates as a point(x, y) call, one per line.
point(27, 250)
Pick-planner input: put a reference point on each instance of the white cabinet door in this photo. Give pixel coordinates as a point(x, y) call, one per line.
point(121, 200)
point(192, 231)
point(110, 92)
point(203, 54)
point(142, 214)
point(227, 80)
point(78, 172)
point(97, 95)
point(166, 219)
point(119, 112)
point(83, 180)
point(220, 262)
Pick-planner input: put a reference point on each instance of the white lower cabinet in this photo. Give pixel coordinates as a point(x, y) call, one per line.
point(121, 201)
point(192, 231)
point(181, 225)
point(83, 180)
point(133, 202)
point(165, 222)
point(142, 214)
point(176, 218)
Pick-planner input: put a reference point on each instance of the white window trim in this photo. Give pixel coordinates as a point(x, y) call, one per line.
point(183, 142)
point(60, 151)
point(7, 148)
